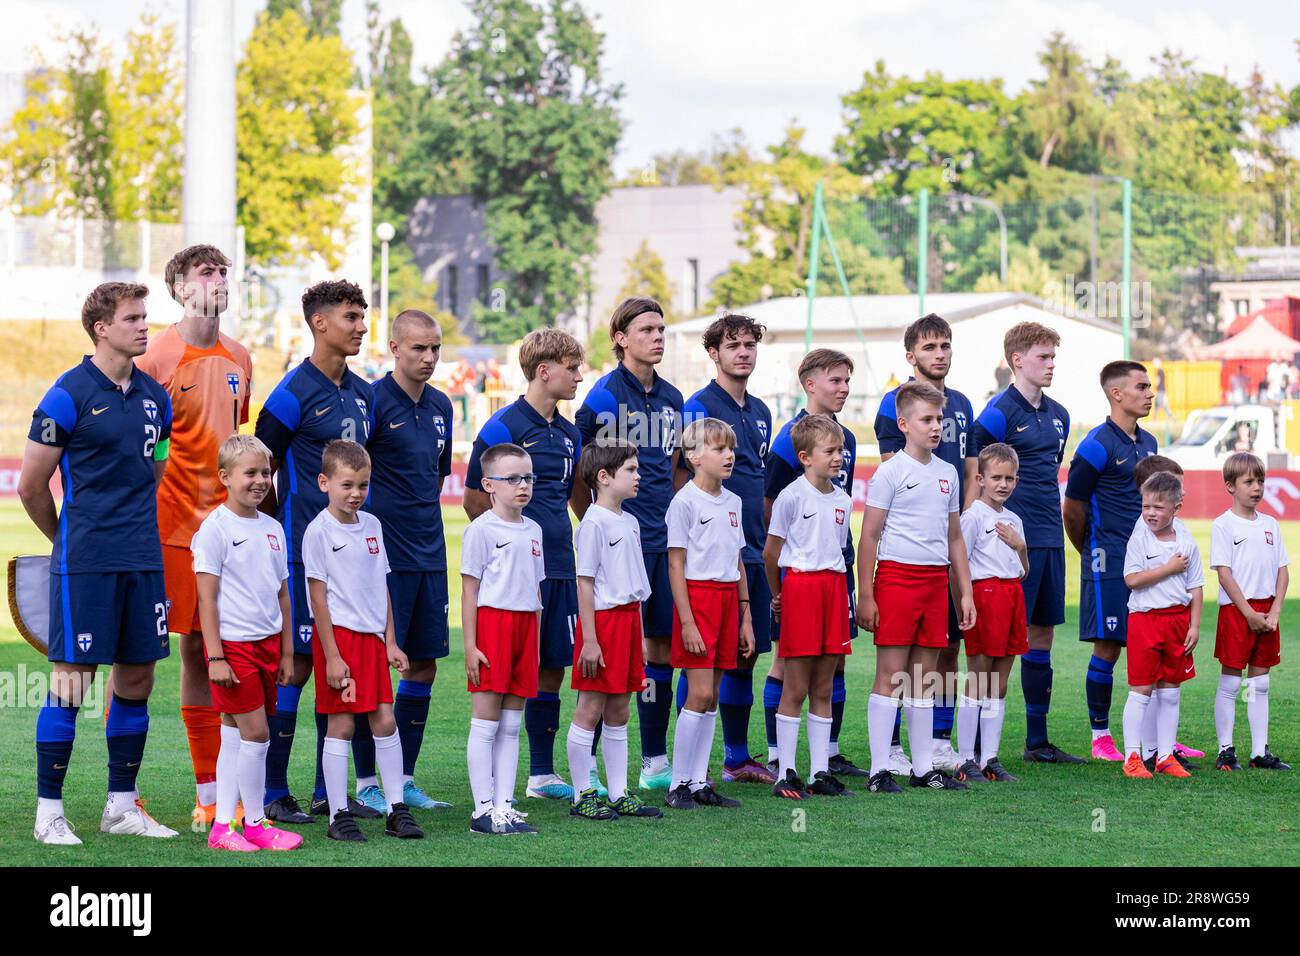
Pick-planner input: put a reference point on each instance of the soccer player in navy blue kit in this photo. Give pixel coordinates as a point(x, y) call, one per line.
point(1036, 426)
point(105, 426)
point(635, 404)
point(824, 375)
point(1102, 504)
point(551, 360)
point(927, 343)
point(410, 457)
point(316, 402)
point(732, 344)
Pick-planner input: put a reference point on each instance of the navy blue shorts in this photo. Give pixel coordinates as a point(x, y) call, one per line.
point(419, 601)
point(760, 607)
point(657, 609)
point(1111, 624)
point(1044, 587)
point(300, 609)
point(108, 617)
point(559, 621)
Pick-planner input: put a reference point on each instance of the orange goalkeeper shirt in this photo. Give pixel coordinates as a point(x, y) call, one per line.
point(209, 389)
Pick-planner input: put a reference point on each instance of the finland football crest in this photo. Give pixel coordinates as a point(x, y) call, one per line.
point(568, 445)
point(304, 633)
point(668, 429)
point(1060, 426)
point(762, 448)
point(232, 379)
point(961, 420)
point(151, 409)
point(361, 404)
point(84, 640)
point(440, 423)
point(1112, 623)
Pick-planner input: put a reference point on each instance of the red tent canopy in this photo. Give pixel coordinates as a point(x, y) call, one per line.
point(1259, 340)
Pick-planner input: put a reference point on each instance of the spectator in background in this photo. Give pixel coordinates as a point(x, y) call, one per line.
point(1162, 400)
point(1243, 441)
point(458, 387)
point(1002, 375)
point(1292, 379)
point(1276, 378)
point(1237, 386)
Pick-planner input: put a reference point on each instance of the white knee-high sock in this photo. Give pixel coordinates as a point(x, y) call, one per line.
point(703, 749)
point(968, 724)
point(228, 774)
point(1135, 715)
point(1225, 708)
point(819, 744)
point(690, 724)
point(919, 712)
point(388, 761)
point(787, 743)
point(252, 779)
point(993, 710)
point(505, 759)
point(881, 711)
point(614, 744)
point(580, 758)
point(1150, 728)
point(1167, 699)
point(478, 753)
point(334, 762)
point(1257, 713)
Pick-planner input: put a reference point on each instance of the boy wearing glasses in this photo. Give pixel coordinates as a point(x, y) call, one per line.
point(501, 570)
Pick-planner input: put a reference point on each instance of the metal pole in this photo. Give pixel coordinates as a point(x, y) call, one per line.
point(814, 256)
point(208, 186)
point(1125, 299)
point(381, 333)
point(922, 241)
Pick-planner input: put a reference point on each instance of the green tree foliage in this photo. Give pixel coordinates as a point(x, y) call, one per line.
point(537, 129)
point(296, 119)
point(321, 16)
point(645, 276)
point(905, 134)
point(148, 131)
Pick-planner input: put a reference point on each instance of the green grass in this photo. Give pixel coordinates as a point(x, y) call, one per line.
point(1087, 815)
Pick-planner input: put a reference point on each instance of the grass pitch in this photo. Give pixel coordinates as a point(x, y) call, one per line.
point(1059, 816)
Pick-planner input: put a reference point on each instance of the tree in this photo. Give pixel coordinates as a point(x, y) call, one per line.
point(646, 277)
point(147, 133)
point(321, 16)
point(296, 117)
point(89, 156)
point(34, 150)
point(904, 134)
point(1061, 107)
point(537, 129)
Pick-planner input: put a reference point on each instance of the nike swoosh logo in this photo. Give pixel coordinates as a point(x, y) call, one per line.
point(911, 486)
point(809, 516)
point(530, 444)
point(1152, 557)
point(1120, 461)
point(616, 541)
point(96, 411)
point(186, 388)
point(705, 520)
point(1021, 428)
point(339, 548)
point(133, 764)
point(417, 723)
point(60, 766)
point(396, 424)
point(238, 543)
point(281, 733)
point(322, 411)
point(504, 544)
point(989, 530)
point(1238, 540)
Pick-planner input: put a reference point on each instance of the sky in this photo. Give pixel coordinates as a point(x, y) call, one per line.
point(691, 69)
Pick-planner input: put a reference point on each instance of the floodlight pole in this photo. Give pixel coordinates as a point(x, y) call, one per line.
point(1126, 297)
point(922, 241)
point(814, 258)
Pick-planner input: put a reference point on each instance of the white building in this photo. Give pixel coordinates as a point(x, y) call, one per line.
point(875, 343)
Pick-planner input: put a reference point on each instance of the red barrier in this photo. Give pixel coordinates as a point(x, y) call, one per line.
point(1206, 497)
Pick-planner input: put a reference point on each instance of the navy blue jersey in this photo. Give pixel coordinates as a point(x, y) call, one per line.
point(619, 407)
point(783, 467)
point(955, 444)
point(752, 423)
point(554, 447)
point(109, 518)
point(410, 455)
point(302, 415)
point(1101, 476)
point(1038, 436)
